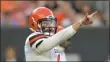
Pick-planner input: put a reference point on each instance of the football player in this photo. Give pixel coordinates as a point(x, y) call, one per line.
point(42, 44)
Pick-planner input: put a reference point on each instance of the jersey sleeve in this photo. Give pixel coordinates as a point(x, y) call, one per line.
point(56, 39)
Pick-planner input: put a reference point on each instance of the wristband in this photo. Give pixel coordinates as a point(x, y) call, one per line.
point(81, 23)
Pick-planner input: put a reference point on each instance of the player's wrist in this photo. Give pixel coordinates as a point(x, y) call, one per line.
point(81, 23)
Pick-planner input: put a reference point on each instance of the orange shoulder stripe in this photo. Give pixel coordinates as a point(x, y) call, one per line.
point(36, 38)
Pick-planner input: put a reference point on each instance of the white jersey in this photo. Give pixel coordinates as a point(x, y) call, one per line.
point(38, 47)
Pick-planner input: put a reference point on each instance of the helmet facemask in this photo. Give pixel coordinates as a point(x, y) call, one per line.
point(47, 26)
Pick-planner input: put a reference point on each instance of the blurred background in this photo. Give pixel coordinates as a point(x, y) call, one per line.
point(91, 43)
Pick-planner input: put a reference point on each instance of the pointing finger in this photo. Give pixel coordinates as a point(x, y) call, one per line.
point(93, 14)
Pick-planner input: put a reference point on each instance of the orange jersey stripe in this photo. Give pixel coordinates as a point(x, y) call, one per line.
point(58, 58)
point(36, 38)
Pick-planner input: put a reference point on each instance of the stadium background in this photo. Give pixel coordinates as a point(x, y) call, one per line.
point(91, 43)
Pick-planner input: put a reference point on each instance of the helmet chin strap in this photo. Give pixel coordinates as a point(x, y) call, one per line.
point(40, 28)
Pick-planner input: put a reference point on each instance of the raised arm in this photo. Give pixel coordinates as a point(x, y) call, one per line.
point(63, 35)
